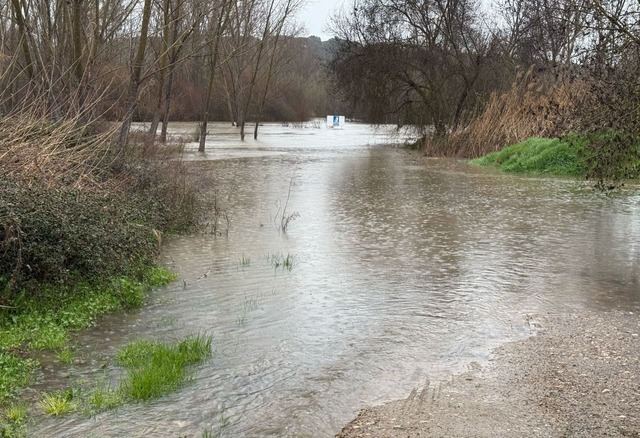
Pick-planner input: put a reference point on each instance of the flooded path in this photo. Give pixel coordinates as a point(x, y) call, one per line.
point(404, 269)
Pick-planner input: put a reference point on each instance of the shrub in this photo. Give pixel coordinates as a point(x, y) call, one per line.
point(55, 234)
point(612, 156)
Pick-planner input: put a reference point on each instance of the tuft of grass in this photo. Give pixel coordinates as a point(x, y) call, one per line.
point(58, 403)
point(16, 414)
point(281, 261)
point(13, 421)
point(546, 156)
point(245, 261)
point(45, 323)
point(65, 356)
point(105, 398)
point(154, 368)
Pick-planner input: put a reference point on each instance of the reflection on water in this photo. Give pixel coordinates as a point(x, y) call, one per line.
point(404, 269)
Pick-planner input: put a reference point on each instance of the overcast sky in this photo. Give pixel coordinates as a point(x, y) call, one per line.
point(315, 16)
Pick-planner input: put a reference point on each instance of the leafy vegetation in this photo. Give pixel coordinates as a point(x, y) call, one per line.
point(605, 157)
point(14, 373)
point(57, 234)
point(44, 322)
point(12, 421)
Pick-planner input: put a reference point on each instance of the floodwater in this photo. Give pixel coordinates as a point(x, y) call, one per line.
point(404, 269)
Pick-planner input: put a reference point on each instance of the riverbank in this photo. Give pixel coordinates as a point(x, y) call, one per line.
point(578, 377)
point(607, 158)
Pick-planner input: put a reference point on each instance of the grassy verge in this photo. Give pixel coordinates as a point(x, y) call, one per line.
point(603, 157)
point(547, 156)
point(44, 322)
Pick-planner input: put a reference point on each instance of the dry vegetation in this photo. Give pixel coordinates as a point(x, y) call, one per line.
point(536, 105)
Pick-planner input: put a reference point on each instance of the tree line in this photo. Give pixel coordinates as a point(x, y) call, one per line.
point(159, 60)
point(437, 63)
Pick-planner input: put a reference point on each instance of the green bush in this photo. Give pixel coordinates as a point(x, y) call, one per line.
point(56, 234)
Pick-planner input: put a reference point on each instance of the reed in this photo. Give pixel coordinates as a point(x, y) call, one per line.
point(536, 105)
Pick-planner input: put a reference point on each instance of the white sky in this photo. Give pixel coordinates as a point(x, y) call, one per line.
point(315, 15)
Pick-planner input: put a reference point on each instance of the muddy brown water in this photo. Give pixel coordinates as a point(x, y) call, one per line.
point(404, 269)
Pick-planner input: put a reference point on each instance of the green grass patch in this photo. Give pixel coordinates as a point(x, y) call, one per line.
point(13, 421)
point(154, 369)
point(45, 322)
point(545, 156)
point(15, 372)
point(606, 157)
point(105, 398)
point(58, 403)
point(65, 356)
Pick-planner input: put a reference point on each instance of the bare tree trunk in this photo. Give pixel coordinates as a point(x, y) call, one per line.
point(167, 104)
point(270, 71)
point(77, 39)
point(214, 62)
point(24, 37)
point(134, 82)
point(162, 66)
point(247, 102)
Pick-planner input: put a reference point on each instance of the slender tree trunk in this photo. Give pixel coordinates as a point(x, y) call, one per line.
point(205, 113)
point(77, 39)
point(134, 82)
point(223, 17)
point(269, 72)
point(24, 37)
point(167, 104)
point(247, 102)
point(161, 74)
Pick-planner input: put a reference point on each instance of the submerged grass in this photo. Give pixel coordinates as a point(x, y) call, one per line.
point(105, 398)
point(281, 261)
point(155, 369)
point(44, 322)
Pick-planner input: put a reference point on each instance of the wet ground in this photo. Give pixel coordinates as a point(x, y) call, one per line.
point(403, 269)
point(577, 378)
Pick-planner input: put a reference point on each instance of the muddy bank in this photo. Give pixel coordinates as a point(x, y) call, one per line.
point(579, 377)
